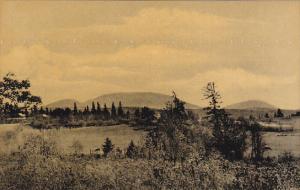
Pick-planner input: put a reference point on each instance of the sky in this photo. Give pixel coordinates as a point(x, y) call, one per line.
point(81, 50)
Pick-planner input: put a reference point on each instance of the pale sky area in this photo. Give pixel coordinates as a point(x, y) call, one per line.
point(85, 49)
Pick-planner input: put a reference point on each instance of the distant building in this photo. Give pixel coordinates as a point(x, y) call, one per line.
point(22, 115)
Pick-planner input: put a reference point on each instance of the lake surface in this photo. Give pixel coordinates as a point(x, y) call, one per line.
point(284, 141)
point(12, 135)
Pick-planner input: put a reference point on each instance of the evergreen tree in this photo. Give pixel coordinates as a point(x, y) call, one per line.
point(127, 114)
point(98, 108)
point(86, 110)
point(229, 137)
point(106, 113)
point(93, 110)
point(113, 111)
point(175, 111)
point(279, 113)
point(41, 110)
point(214, 113)
point(67, 112)
point(131, 150)
point(120, 110)
point(147, 116)
point(47, 111)
point(137, 114)
point(172, 136)
point(75, 111)
point(107, 147)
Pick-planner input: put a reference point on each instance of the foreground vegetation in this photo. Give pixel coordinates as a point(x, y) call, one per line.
point(39, 164)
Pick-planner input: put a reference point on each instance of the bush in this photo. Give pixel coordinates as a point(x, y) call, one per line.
point(107, 147)
point(132, 150)
point(286, 157)
point(40, 166)
point(77, 147)
point(276, 176)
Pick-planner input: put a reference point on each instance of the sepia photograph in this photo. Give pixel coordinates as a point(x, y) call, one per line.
point(149, 95)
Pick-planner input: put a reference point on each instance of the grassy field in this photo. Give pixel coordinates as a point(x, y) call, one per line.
point(13, 135)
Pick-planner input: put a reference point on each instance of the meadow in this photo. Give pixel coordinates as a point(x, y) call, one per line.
point(13, 135)
point(91, 138)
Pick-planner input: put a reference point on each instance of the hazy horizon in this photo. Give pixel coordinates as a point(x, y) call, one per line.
point(201, 102)
point(81, 50)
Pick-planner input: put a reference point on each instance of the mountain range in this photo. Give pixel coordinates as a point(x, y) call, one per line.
point(150, 99)
point(251, 105)
point(128, 99)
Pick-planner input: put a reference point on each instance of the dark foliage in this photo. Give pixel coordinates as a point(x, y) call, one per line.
point(15, 96)
point(229, 136)
point(132, 150)
point(107, 147)
point(279, 113)
point(120, 110)
point(113, 111)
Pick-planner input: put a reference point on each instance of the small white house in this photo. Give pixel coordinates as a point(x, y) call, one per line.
point(21, 115)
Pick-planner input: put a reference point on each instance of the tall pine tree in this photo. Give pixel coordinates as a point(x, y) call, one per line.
point(41, 111)
point(87, 110)
point(113, 111)
point(106, 113)
point(107, 147)
point(98, 108)
point(75, 111)
point(120, 110)
point(93, 110)
point(47, 110)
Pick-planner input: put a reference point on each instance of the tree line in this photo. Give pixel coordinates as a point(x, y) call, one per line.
point(96, 111)
point(16, 100)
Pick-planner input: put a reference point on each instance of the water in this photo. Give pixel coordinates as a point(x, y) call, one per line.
point(284, 141)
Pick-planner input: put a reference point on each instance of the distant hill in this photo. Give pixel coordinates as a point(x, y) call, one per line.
point(63, 103)
point(251, 105)
point(136, 99)
point(128, 99)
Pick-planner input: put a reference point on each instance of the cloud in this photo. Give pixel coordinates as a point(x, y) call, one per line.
point(145, 68)
point(155, 49)
point(227, 42)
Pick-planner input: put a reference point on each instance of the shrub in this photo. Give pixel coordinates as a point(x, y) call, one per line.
point(77, 147)
point(40, 166)
point(132, 150)
point(107, 147)
point(276, 176)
